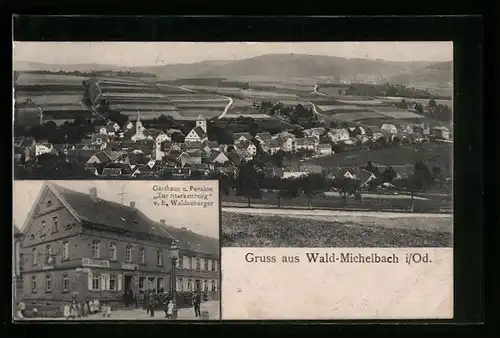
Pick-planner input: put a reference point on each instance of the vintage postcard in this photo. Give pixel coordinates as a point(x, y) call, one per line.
point(334, 161)
point(116, 250)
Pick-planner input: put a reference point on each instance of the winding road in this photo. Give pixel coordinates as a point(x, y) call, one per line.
point(315, 89)
point(230, 103)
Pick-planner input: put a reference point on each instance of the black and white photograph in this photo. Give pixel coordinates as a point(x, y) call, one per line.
point(314, 144)
point(116, 250)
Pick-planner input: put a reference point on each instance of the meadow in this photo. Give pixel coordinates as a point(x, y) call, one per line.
point(250, 230)
point(402, 155)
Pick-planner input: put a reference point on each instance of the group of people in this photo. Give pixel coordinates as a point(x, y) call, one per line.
point(82, 309)
point(152, 299)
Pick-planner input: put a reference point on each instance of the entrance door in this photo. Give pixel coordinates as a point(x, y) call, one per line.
point(128, 283)
point(198, 285)
point(159, 284)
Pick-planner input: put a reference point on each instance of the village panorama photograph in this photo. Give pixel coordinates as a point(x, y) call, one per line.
point(104, 250)
point(314, 144)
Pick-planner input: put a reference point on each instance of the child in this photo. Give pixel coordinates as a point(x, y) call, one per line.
point(66, 311)
point(170, 308)
point(108, 310)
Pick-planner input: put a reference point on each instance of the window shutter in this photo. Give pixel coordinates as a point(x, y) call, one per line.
point(119, 277)
point(103, 282)
point(90, 280)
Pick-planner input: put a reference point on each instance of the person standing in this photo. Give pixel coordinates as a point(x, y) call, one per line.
point(197, 303)
point(66, 311)
point(151, 305)
point(22, 308)
point(170, 309)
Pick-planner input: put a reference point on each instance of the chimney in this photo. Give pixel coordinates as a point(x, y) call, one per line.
point(162, 221)
point(93, 193)
point(132, 205)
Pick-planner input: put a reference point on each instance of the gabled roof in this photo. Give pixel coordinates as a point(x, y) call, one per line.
point(245, 144)
point(111, 171)
point(275, 143)
point(104, 213)
point(199, 132)
point(214, 154)
point(102, 156)
point(246, 135)
point(192, 241)
point(266, 136)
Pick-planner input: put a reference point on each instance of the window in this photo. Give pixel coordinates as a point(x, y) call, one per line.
point(112, 251)
point(215, 285)
point(197, 263)
point(159, 257)
point(33, 256)
point(205, 285)
point(214, 266)
point(43, 229)
point(96, 282)
point(49, 203)
point(48, 283)
point(190, 285)
point(212, 285)
point(65, 282)
point(55, 224)
point(33, 283)
point(142, 255)
point(141, 282)
point(209, 264)
point(181, 262)
point(179, 284)
point(96, 249)
point(190, 264)
point(65, 250)
point(205, 267)
point(48, 249)
point(113, 285)
point(128, 253)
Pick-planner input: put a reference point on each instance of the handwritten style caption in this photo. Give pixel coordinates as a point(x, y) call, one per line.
point(166, 195)
point(342, 258)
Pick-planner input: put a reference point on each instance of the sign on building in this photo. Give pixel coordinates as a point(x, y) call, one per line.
point(95, 263)
point(129, 266)
point(49, 262)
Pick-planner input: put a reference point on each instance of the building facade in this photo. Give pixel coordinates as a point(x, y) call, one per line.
point(78, 246)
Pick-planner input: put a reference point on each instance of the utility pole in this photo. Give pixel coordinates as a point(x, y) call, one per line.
point(122, 194)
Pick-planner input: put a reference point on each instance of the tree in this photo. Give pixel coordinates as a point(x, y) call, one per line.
point(388, 175)
point(177, 137)
point(346, 187)
point(298, 133)
point(248, 181)
point(254, 128)
point(419, 181)
point(312, 185)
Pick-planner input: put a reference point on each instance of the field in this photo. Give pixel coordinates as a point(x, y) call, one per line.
point(245, 230)
point(393, 99)
point(34, 79)
point(331, 89)
point(403, 155)
point(396, 113)
point(48, 99)
point(355, 116)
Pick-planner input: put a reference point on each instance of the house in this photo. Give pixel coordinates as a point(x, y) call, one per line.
point(287, 174)
point(80, 244)
point(197, 134)
point(264, 137)
point(99, 158)
point(324, 149)
point(390, 128)
point(310, 168)
point(315, 132)
point(274, 146)
point(198, 267)
point(248, 146)
point(162, 137)
point(338, 134)
point(27, 142)
point(239, 137)
point(43, 148)
point(244, 154)
point(305, 143)
point(112, 172)
point(188, 159)
point(365, 177)
point(234, 157)
point(362, 138)
point(406, 128)
point(143, 171)
point(440, 133)
point(217, 157)
point(99, 141)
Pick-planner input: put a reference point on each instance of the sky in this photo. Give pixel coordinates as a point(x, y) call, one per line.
point(204, 221)
point(161, 53)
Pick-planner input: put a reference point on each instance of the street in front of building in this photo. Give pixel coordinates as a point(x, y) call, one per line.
point(212, 307)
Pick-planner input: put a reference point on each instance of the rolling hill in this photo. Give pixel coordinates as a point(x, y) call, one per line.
point(281, 67)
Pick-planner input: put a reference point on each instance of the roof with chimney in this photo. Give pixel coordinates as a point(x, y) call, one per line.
point(193, 242)
point(91, 209)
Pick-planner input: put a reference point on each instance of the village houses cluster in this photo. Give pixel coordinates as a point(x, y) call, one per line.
point(136, 151)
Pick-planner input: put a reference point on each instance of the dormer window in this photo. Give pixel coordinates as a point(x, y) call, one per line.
point(49, 203)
